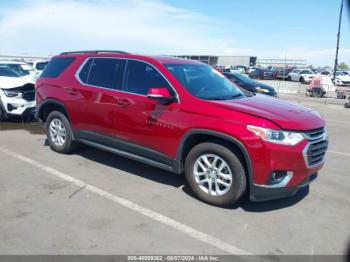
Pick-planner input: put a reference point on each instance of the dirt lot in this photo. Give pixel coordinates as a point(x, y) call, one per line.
point(94, 202)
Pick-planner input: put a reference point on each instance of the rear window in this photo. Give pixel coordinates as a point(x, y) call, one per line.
point(56, 66)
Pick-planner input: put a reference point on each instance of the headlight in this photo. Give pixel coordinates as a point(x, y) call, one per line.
point(10, 93)
point(263, 90)
point(277, 136)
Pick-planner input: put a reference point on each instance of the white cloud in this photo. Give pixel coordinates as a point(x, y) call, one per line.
point(47, 27)
point(44, 27)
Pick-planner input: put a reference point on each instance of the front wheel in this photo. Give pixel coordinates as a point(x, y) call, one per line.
point(215, 174)
point(59, 133)
point(2, 115)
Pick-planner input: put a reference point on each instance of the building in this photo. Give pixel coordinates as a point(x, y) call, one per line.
point(223, 60)
point(265, 62)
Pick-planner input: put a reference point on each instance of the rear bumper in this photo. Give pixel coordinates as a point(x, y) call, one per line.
point(261, 193)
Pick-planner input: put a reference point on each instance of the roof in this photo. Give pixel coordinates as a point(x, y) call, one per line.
point(103, 53)
point(174, 60)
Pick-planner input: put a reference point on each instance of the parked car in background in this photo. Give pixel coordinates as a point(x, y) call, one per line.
point(342, 79)
point(260, 73)
point(250, 85)
point(301, 75)
point(38, 66)
point(282, 73)
point(326, 73)
point(21, 67)
point(184, 117)
point(242, 68)
point(17, 94)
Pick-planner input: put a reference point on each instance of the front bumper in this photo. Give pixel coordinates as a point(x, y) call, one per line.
point(16, 106)
point(261, 193)
point(298, 164)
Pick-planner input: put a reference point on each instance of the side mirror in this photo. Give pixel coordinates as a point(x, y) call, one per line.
point(160, 93)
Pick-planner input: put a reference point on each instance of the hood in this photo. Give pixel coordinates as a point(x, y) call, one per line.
point(262, 85)
point(344, 78)
point(286, 115)
point(11, 82)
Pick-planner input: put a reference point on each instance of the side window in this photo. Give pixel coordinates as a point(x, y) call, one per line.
point(106, 73)
point(56, 66)
point(84, 72)
point(139, 77)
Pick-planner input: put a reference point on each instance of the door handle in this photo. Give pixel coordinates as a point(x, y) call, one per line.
point(123, 102)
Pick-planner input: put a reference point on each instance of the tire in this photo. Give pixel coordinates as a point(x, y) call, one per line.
point(289, 78)
point(55, 123)
point(317, 93)
point(2, 115)
point(302, 80)
point(221, 195)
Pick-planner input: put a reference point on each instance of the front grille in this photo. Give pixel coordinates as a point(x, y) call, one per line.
point(314, 133)
point(316, 152)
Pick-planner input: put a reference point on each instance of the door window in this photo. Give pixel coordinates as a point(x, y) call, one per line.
point(139, 77)
point(103, 72)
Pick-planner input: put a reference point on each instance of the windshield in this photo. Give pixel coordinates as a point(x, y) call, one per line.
point(340, 74)
point(204, 82)
point(307, 72)
point(22, 71)
point(4, 71)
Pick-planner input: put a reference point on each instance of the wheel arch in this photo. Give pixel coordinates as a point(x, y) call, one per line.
point(49, 105)
point(197, 136)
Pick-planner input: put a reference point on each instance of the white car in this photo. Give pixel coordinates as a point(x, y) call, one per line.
point(17, 93)
point(21, 67)
point(38, 66)
point(342, 79)
point(301, 75)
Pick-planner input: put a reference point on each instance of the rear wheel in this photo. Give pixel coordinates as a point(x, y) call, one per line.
point(59, 133)
point(215, 174)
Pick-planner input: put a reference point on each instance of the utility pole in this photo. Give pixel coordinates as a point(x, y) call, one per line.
point(338, 36)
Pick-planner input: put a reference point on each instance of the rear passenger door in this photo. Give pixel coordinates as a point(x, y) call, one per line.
point(101, 80)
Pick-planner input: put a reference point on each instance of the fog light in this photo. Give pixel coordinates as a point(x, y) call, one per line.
point(11, 107)
point(279, 178)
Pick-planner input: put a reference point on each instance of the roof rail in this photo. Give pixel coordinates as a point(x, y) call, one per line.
point(94, 51)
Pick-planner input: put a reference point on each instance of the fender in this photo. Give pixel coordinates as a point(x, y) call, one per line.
point(49, 101)
point(218, 135)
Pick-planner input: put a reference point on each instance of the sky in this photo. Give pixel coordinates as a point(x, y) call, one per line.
point(298, 29)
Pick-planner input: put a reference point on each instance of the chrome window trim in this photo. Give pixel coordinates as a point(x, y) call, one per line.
point(121, 90)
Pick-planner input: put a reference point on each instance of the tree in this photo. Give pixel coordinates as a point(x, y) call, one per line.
point(343, 66)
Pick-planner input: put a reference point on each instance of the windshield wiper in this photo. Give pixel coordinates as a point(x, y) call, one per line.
point(221, 98)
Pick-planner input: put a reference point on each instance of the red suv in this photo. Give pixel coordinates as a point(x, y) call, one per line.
point(182, 116)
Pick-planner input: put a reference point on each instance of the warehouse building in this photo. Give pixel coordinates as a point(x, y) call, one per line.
point(223, 60)
point(265, 62)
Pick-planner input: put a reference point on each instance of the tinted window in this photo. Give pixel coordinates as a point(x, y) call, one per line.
point(84, 73)
point(106, 72)
point(56, 66)
point(139, 77)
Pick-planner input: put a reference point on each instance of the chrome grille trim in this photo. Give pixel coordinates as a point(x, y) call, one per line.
point(315, 150)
